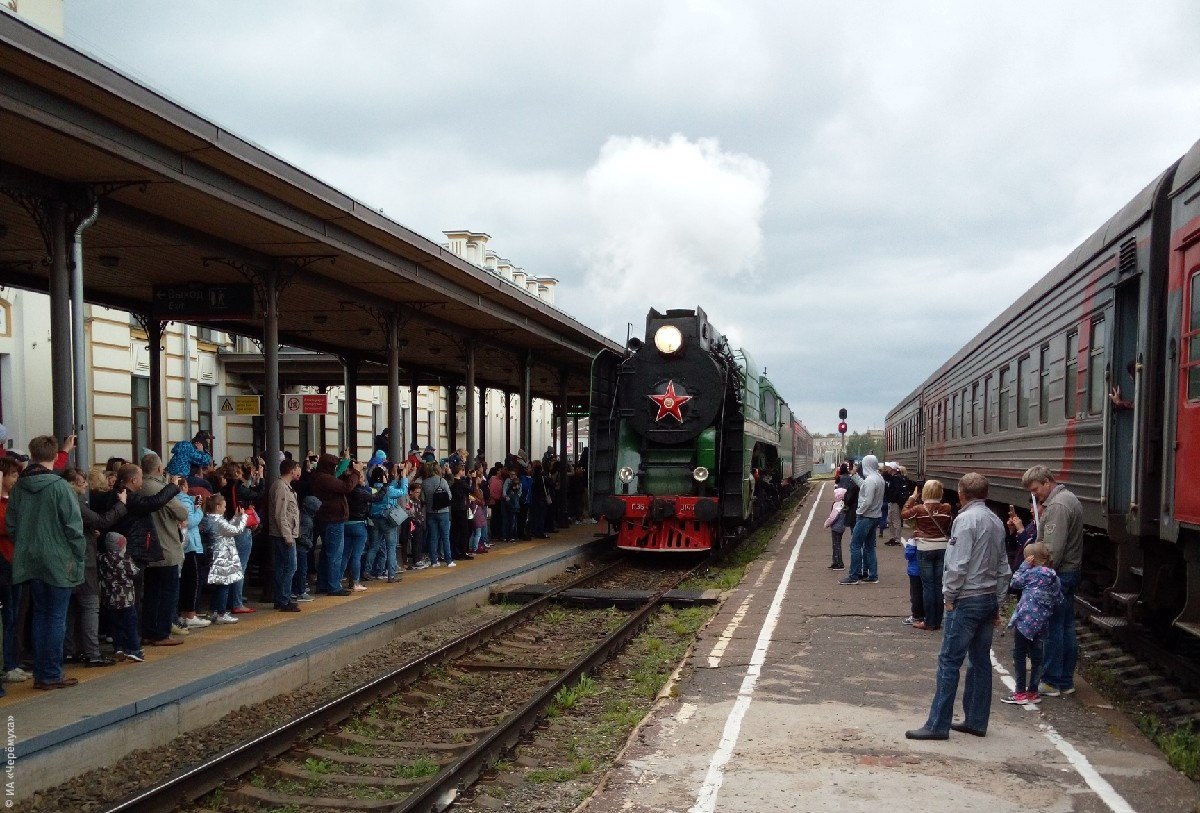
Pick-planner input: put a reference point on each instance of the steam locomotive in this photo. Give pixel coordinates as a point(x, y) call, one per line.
point(688, 442)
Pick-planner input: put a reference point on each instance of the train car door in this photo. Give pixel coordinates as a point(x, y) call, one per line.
point(1187, 432)
point(1123, 378)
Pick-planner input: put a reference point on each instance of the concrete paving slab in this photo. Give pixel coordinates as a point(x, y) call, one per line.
point(812, 715)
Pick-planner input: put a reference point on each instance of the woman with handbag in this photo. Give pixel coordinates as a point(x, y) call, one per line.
point(932, 518)
point(387, 516)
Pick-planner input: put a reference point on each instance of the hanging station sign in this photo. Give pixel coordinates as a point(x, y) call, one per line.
point(202, 302)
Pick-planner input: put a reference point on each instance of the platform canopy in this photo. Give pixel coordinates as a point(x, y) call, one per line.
point(182, 200)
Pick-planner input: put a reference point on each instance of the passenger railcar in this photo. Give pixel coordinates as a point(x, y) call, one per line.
point(1095, 372)
point(688, 442)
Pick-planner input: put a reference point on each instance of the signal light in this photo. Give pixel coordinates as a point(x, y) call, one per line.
point(842, 427)
point(842, 414)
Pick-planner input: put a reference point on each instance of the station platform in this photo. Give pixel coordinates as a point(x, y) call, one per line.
point(798, 693)
point(62, 733)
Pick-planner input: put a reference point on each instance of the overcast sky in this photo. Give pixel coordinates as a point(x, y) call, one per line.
point(850, 190)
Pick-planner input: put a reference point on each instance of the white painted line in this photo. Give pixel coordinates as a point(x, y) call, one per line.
point(706, 800)
point(1099, 785)
point(718, 650)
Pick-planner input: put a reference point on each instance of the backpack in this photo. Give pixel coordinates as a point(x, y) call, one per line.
point(440, 500)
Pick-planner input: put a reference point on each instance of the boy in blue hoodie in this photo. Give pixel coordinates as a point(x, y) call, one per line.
point(304, 546)
point(916, 594)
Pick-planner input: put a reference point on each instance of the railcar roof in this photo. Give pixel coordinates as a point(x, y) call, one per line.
point(1188, 171)
point(1117, 226)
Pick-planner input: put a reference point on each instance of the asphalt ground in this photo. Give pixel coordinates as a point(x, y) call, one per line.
point(798, 693)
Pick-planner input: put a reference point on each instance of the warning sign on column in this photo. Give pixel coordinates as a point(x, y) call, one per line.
point(295, 403)
point(239, 404)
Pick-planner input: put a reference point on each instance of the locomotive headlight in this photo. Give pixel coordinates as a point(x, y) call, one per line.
point(700, 474)
point(668, 339)
point(626, 474)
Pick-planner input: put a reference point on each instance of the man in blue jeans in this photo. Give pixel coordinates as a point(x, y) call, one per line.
point(975, 580)
point(871, 490)
point(48, 550)
point(285, 529)
point(1060, 528)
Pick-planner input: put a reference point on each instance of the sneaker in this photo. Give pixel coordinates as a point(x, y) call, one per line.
point(226, 618)
point(451, 563)
point(99, 660)
point(176, 629)
point(136, 657)
point(1067, 690)
point(289, 608)
point(1047, 690)
point(242, 610)
point(359, 588)
point(421, 565)
point(872, 581)
point(1032, 697)
point(908, 621)
point(16, 675)
point(1015, 699)
point(302, 597)
point(847, 580)
point(196, 621)
point(437, 564)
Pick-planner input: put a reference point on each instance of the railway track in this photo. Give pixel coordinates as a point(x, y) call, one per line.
point(1156, 677)
point(412, 739)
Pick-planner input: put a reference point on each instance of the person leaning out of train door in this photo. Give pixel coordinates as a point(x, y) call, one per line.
point(1061, 530)
point(863, 564)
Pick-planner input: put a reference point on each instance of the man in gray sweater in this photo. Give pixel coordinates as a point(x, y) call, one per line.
point(863, 564)
point(975, 580)
point(1060, 527)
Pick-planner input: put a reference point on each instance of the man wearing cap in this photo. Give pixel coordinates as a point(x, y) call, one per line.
point(430, 456)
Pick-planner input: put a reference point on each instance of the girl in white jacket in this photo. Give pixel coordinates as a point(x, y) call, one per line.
point(220, 536)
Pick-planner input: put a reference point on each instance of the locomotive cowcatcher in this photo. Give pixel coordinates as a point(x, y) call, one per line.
point(687, 441)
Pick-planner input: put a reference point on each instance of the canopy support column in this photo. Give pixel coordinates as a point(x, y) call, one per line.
point(469, 397)
point(395, 420)
point(272, 414)
point(351, 364)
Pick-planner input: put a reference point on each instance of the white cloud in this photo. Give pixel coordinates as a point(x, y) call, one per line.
point(673, 223)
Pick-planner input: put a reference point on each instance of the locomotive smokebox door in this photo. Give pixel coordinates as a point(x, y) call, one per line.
point(672, 388)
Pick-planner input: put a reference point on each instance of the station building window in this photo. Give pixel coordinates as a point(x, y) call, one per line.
point(1071, 385)
point(204, 412)
point(139, 414)
point(1095, 389)
point(1192, 337)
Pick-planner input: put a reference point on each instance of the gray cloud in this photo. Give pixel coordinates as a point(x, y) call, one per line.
point(927, 162)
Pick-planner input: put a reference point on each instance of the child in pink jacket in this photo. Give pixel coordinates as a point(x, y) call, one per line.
point(836, 523)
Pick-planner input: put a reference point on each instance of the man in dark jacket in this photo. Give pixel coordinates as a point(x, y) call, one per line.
point(332, 518)
point(48, 555)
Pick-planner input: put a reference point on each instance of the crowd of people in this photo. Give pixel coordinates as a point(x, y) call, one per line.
point(144, 554)
point(963, 561)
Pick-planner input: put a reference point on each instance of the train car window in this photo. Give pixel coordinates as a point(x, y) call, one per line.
point(975, 409)
point(953, 413)
point(1002, 399)
point(1096, 390)
point(987, 404)
point(1023, 391)
point(1193, 334)
point(1071, 384)
point(962, 409)
point(1044, 384)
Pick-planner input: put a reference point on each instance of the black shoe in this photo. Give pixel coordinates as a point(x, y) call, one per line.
point(926, 734)
point(98, 661)
point(342, 592)
point(891, 543)
point(871, 581)
point(289, 608)
point(966, 729)
point(837, 567)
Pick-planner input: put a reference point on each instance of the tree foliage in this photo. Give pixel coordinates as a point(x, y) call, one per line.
point(860, 446)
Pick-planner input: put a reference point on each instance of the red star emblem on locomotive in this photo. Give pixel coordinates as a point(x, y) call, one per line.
point(670, 403)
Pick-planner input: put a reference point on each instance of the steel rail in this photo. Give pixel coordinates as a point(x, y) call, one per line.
point(445, 787)
point(192, 783)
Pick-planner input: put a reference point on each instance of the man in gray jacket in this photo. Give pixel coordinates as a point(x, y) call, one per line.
point(160, 595)
point(863, 564)
point(976, 578)
point(1060, 527)
point(285, 528)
